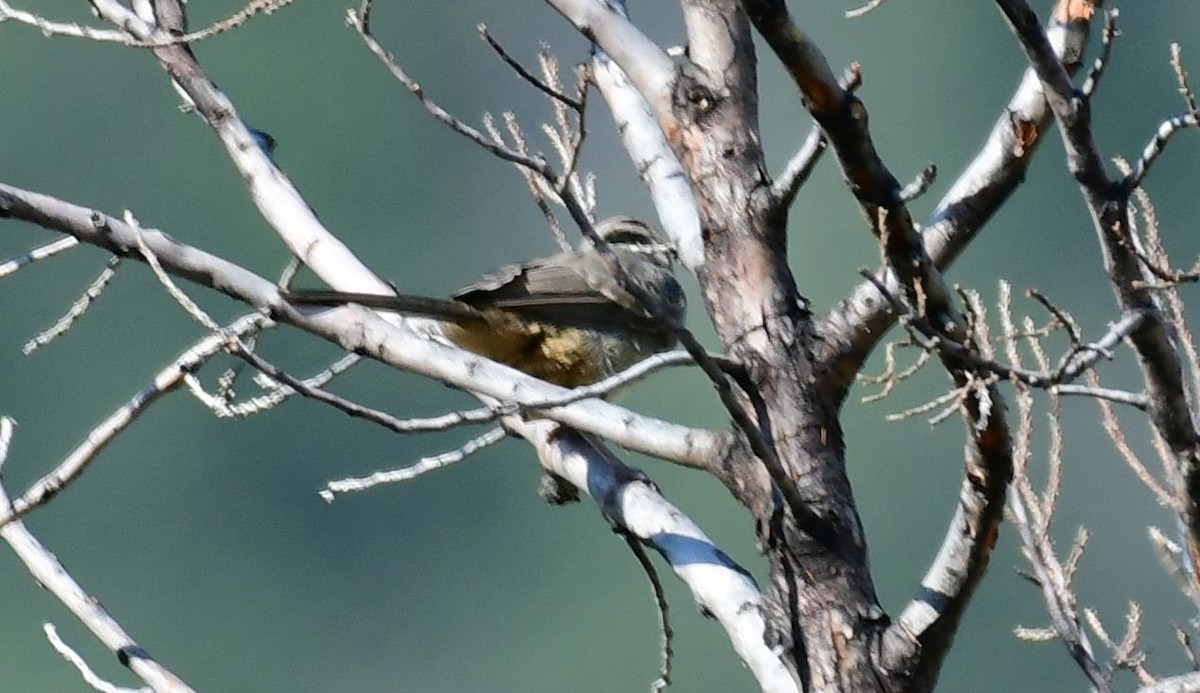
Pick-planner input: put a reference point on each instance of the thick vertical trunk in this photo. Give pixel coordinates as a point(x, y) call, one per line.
point(825, 616)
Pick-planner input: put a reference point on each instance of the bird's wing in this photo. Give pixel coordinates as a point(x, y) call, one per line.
point(560, 289)
point(549, 280)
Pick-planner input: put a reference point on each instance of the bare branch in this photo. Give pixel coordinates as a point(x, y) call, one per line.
point(538, 189)
point(77, 309)
point(1138, 400)
point(252, 9)
point(804, 161)
point(890, 376)
point(221, 403)
point(663, 609)
point(1127, 655)
point(1184, 683)
point(1061, 316)
point(49, 28)
point(1181, 77)
point(843, 118)
point(1158, 145)
point(167, 380)
point(648, 67)
point(311, 388)
point(719, 586)
point(46, 251)
point(426, 464)
point(89, 677)
point(1148, 242)
point(918, 642)
point(858, 322)
point(1034, 634)
point(189, 306)
point(360, 21)
point(1060, 601)
point(280, 204)
point(1074, 364)
point(1031, 515)
point(526, 75)
point(1176, 564)
point(51, 575)
point(1108, 202)
point(654, 159)
point(1112, 426)
point(871, 6)
point(800, 167)
point(1108, 36)
point(919, 185)
point(1070, 564)
point(366, 332)
point(1185, 641)
point(355, 410)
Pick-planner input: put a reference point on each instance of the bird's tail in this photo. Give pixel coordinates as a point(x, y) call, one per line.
point(438, 308)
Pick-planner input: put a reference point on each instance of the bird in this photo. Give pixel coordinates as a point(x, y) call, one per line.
point(564, 318)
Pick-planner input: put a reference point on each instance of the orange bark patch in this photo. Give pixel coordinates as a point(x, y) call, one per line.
point(1026, 134)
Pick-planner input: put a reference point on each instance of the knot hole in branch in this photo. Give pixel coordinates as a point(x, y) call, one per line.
point(695, 99)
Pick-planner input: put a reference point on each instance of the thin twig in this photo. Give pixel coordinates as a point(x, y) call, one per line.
point(1138, 400)
point(1054, 455)
point(77, 309)
point(800, 166)
point(535, 184)
point(426, 464)
point(661, 607)
point(928, 336)
point(360, 21)
point(311, 389)
point(526, 75)
point(278, 392)
point(1181, 78)
point(70, 29)
point(353, 409)
point(1157, 145)
point(1032, 515)
point(1183, 683)
point(860, 11)
point(252, 9)
point(919, 185)
point(40, 253)
point(1176, 564)
point(1112, 426)
point(1108, 36)
point(1064, 318)
point(73, 658)
point(189, 306)
point(804, 161)
point(890, 377)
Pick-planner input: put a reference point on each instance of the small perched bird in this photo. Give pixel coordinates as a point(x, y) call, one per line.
point(563, 318)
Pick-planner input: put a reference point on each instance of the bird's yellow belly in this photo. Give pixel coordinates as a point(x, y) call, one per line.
point(567, 356)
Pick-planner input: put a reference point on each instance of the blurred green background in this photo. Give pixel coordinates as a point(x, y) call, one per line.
point(206, 537)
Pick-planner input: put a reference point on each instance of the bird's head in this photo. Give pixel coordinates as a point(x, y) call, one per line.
point(637, 236)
